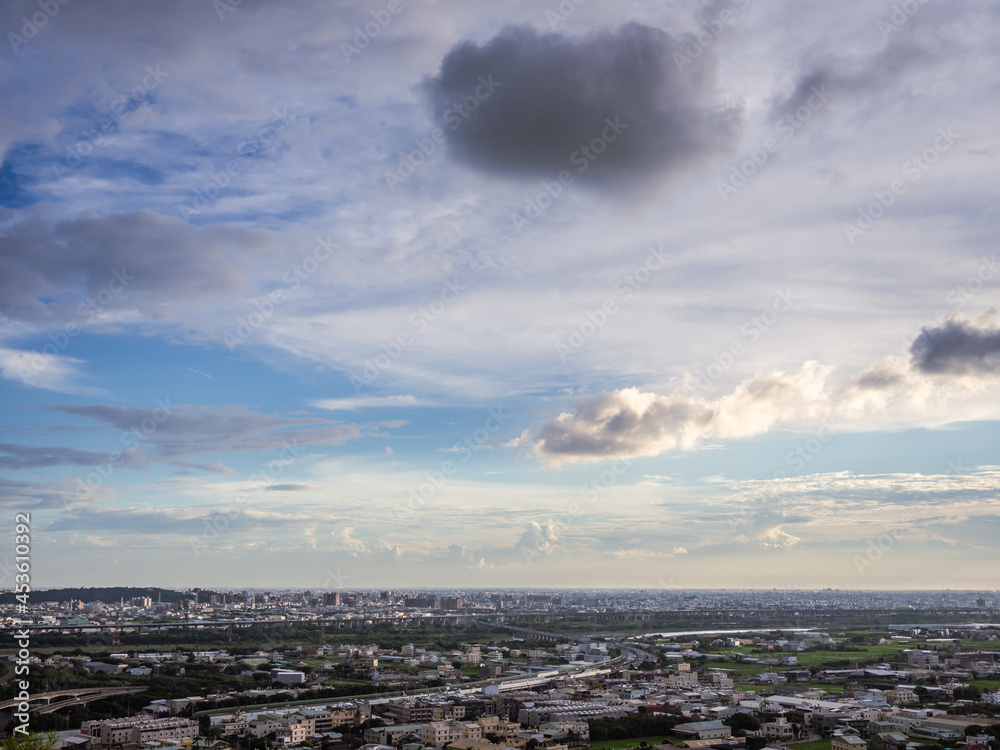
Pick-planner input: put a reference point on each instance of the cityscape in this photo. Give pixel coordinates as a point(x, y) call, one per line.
point(520, 375)
point(479, 670)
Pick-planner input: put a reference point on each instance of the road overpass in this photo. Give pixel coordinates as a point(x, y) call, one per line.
point(73, 697)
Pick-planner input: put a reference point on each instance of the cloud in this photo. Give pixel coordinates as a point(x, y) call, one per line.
point(31, 457)
point(73, 270)
point(186, 429)
point(552, 94)
point(20, 496)
point(290, 487)
point(840, 76)
point(53, 372)
point(187, 521)
point(959, 347)
point(537, 540)
point(637, 553)
point(367, 402)
point(214, 467)
point(630, 422)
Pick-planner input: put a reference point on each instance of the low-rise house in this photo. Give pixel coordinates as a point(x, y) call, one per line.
point(703, 730)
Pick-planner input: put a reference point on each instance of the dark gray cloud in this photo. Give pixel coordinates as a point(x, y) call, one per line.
point(31, 457)
point(553, 94)
point(958, 347)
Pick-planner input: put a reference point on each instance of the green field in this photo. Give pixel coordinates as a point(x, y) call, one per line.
point(814, 745)
point(632, 742)
point(828, 687)
point(989, 685)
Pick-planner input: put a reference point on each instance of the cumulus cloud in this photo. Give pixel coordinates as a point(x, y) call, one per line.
point(872, 388)
point(630, 422)
point(959, 347)
point(549, 94)
point(538, 540)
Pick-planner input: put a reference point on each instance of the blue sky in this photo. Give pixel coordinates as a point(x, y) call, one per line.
point(450, 294)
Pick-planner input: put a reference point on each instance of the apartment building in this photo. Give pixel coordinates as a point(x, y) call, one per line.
point(390, 735)
point(441, 732)
point(136, 730)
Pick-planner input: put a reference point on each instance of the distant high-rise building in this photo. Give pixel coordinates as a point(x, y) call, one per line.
point(331, 600)
point(421, 602)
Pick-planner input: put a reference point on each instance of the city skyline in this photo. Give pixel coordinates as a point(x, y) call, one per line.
point(693, 295)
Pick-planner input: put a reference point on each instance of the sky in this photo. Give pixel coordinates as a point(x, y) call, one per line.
point(448, 293)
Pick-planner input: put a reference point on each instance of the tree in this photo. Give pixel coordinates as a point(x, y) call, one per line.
point(741, 723)
point(30, 741)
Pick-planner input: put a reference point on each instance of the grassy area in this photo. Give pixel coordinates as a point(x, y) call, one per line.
point(989, 685)
point(813, 745)
point(632, 742)
point(828, 687)
point(338, 682)
point(981, 645)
